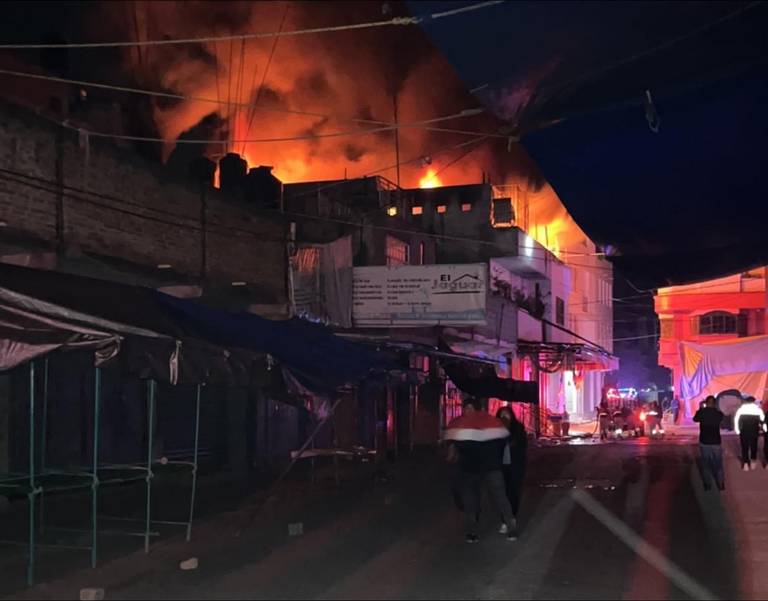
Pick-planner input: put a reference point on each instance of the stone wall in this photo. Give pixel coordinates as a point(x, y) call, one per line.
point(62, 190)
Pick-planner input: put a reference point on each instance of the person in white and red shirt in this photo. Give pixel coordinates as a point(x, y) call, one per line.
point(476, 442)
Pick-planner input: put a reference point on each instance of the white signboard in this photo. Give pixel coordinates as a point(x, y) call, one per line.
point(420, 295)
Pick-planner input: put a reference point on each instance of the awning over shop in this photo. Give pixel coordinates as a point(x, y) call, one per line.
point(150, 334)
point(124, 326)
point(554, 356)
point(480, 380)
point(317, 358)
point(477, 376)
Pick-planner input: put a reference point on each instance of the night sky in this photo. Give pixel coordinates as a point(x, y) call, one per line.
point(686, 203)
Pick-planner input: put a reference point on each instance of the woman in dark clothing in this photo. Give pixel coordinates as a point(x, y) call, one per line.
point(514, 457)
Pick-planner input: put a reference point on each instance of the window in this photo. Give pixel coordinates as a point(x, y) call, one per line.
point(422, 253)
point(417, 210)
point(397, 252)
point(559, 311)
point(466, 207)
point(503, 214)
point(442, 208)
point(717, 322)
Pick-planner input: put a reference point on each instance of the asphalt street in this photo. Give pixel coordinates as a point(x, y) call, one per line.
point(624, 520)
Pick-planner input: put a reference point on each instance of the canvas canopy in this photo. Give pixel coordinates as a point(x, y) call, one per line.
point(154, 335)
point(740, 364)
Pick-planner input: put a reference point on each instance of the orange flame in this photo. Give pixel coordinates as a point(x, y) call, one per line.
point(316, 87)
point(430, 180)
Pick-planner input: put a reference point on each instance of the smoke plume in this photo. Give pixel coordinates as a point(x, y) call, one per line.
point(338, 76)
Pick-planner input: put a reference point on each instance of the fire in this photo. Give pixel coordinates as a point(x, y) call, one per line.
point(286, 101)
point(430, 180)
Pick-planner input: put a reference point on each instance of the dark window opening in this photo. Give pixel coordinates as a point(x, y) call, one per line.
point(717, 322)
point(503, 213)
point(559, 311)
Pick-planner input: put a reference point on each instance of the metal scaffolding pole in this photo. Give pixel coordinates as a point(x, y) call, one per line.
point(152, 386)
point(194, 463)
point(43, 444)
point(32, 484)
point(95, 473)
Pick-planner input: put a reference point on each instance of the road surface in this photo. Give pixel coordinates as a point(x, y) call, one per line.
point(625, 520)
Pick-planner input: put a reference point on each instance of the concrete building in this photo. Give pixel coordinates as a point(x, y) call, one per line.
point(561, 293)
point(716, 311)
point(544, 312)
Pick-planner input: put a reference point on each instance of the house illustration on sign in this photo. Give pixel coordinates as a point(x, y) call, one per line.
point(464, 284)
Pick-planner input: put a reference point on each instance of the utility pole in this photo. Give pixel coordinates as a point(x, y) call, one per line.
point(397, 137)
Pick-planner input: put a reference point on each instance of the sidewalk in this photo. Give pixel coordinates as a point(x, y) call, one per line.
point(745, 496)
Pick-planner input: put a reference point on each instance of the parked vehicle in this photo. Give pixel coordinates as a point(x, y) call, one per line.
point(618, 425)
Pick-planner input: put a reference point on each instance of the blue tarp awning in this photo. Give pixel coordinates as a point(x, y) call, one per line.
point(318, 358)
point(45, 310)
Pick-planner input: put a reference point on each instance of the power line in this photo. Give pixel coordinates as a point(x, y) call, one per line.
point(240, 72)
point(71, 191)
point(646, 337)
point(252, 111)
point(650, 51)
point(229, 105)
point(426, 235)
point(615, 300)
point(216, 55)
point(416, 20)
point(223, 231)
point(229, 92)
point(304, 137)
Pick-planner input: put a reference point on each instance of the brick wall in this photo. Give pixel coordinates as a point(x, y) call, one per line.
point(61, 190)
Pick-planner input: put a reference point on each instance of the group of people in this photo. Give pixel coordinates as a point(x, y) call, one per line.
point(489, 453)
point(748, 423)
point(637, 418)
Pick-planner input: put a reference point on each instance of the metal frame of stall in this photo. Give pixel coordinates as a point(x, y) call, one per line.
point(35, 482)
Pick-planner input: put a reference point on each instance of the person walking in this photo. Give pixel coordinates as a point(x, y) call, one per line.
point(476, 443)
point(513, 464)
point(748, 423)
point(709, 418)
point(765, 435)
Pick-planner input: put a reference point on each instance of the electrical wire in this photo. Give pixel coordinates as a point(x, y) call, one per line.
point(304, 137)
point(464, 155)
point(402, 21)
point(73, 192)
point(650, 51)
point(252, 110)
point(616, 300)
point(223, 231)
point(240, 71)
point(544, 252)
point(229, 104)
point(216, 55)
point(646, 337)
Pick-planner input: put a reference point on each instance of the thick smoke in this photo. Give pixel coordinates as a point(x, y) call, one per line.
point(340, 76)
